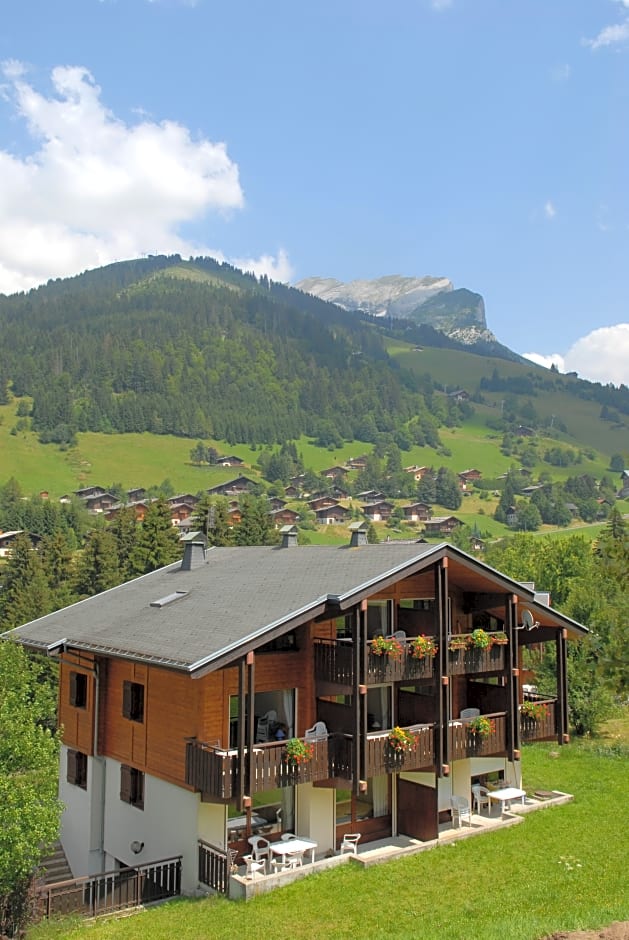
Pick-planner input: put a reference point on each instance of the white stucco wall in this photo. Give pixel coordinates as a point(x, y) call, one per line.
point(82, 817)
point(167, 825)
point(315, 815)
point(212, 824)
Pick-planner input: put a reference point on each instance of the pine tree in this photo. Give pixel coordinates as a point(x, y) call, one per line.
point(98, 566)
point(26, 594)
point(158, 540)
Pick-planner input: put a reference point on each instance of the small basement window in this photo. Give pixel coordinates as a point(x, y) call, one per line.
point(168, 599)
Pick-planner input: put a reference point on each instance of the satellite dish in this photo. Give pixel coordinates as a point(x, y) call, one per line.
point(528, 621)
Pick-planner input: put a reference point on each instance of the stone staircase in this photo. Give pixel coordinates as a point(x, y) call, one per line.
point(55, 866)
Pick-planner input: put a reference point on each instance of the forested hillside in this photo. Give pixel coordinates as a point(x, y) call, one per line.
point(199, 350)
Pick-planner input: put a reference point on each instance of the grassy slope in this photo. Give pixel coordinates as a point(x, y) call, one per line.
point(563, 868)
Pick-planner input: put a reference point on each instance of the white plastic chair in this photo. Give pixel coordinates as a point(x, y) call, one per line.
point(318, 730)
point(460, 807)
point(350, 842)
point(469, 713)
point(260, 848)
point(481, 798)
point(287, 836)
point(264, 726)
point(253, 868)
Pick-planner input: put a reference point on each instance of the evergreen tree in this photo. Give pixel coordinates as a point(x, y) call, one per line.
point(427, 488)
point(212, 517)
point(124, 530)
point(255, 525)
point(158, 540)
point(26, 594)
point(447, 489)
point(97, 569)
point(55, 552)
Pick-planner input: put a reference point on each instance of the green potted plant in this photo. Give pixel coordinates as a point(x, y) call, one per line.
point(481, 726)
point(401, 741)
point(534, 710)
point(480, 639)
point(423, 647)
point(499, 638)
point(298, 752)
point(386, 646)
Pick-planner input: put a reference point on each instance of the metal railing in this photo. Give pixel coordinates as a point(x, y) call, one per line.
point(112, 891)
point(215, 866)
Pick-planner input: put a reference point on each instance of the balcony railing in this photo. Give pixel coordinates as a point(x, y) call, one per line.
point(465, 743)
point(382, 758)
point(471, 661)
point(215, 772)
point(542, 728)
point(334, 662)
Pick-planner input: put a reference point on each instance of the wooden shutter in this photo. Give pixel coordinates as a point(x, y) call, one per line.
point(125, 783)
point(71, 767)
point(127, 699)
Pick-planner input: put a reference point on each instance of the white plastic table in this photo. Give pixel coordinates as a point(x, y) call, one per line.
point(506, 795)
point(298, 846)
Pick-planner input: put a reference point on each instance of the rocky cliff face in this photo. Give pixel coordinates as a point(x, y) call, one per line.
point(459, 313)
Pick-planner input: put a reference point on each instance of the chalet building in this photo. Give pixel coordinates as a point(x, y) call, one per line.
point(100, 502)
point(7, 540)
point(523, 431)
point(379, 511)
point(322, 502)
point(139, 507)
point(417, 472)
point(459, 395)
point(467, 477)
point(188, 499)
point(417, 512)
point(371, 496)
point(276, 502)
point(357, 463)
point(229, 461)
point(441, 525)
point(332, 515)
point(292, 492)
point(233, 487)
point(284, 516)
point(173, 687)
point(179, 512)
point(134, 496)
point(334, 473)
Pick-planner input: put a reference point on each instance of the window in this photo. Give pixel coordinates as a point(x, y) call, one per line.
point(132, 786)
point(133, 701)
point(78, 689)
point(77, 769)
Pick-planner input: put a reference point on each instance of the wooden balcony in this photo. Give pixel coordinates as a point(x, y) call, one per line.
point(543, 728)
point(382, 758)
point(334, 662)
point(462, 662)
point(215, 772)
point(464, 743)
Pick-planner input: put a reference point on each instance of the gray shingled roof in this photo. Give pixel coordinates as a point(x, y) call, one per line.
point(234, 598)
point(236, 595)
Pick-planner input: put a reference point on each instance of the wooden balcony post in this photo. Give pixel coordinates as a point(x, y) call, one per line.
point(562, 687)
point(251, 730)
point(512, 672)
point(359, 697)
point(442, 757)
point(242, 710)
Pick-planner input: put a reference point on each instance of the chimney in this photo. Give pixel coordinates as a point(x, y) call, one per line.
point(358, 534)
point(193, 556)
point(289, 536)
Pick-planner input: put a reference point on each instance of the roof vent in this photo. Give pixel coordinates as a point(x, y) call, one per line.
point(168, 599)
point(289, 536)
point(358, 533)
point(193, 556)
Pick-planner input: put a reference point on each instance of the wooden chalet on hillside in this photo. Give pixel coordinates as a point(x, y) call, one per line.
point(173, 686)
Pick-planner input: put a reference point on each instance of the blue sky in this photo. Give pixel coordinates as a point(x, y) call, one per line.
point(486, 141)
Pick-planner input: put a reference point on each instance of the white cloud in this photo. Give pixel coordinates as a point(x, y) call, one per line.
point(610, 35)
point(549, 210)
point(95, 189)
point(554, 359)
point(601, 356)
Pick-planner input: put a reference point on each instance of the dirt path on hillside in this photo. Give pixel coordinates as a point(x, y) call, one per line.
point(617, 931)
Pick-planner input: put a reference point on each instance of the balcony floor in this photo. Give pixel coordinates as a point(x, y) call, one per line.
point(385, 850)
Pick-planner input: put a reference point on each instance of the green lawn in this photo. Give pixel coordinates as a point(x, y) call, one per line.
point(563, 868)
